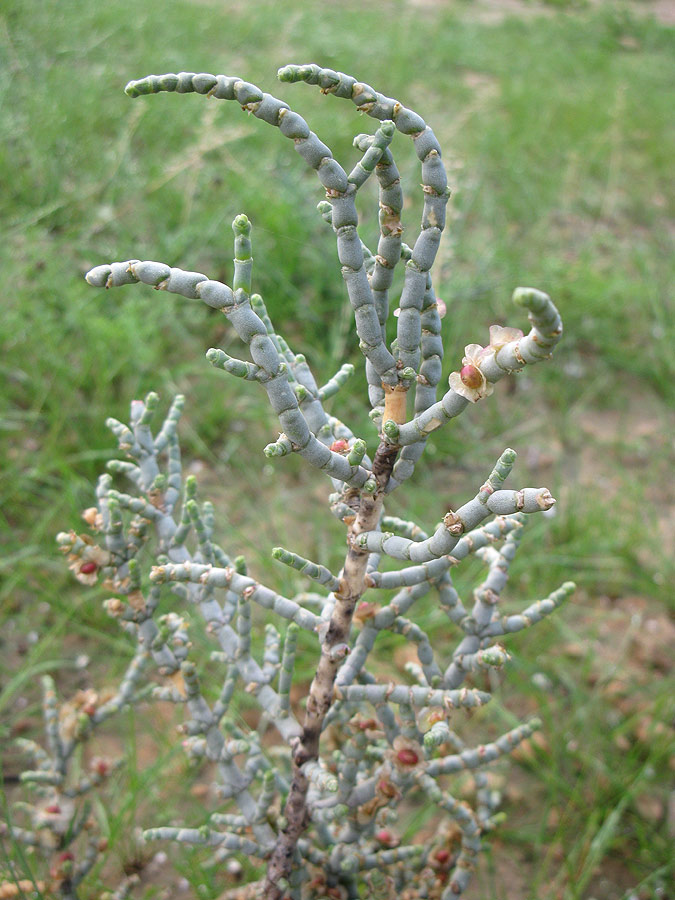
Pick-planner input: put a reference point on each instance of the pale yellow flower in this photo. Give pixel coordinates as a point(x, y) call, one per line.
point(470, 382)
point(500, 336)
point(93, 518)
point(87, 562)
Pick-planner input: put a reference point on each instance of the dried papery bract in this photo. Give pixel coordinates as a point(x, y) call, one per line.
point(321, 816)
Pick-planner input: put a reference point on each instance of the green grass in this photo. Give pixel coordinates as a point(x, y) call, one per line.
point(558, 132)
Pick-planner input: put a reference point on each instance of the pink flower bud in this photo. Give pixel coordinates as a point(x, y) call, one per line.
point(387, 788)
point(407, 756)
point(88, 568)
point(366, 724)
point(365, 610)
point(101, 767)
point(471, 376)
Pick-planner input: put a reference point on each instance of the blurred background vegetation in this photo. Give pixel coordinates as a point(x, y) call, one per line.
point(557, 128)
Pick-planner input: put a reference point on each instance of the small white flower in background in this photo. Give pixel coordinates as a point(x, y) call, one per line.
point(470, 382)
point(54, 815)
point(234, 868)
point(542, 681)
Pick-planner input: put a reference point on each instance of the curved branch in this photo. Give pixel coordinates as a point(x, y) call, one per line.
point(496, 362)
point(252, 330)
point(331, 174)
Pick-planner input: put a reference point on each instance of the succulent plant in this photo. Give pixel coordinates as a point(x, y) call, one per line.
point(319, 815)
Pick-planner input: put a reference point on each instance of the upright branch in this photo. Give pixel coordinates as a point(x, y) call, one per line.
point(417, 291)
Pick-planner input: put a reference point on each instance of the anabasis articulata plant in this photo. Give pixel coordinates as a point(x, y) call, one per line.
point(319, 817)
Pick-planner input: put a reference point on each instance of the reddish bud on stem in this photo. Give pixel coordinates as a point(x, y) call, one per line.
point(471, 376)
point(407, 757)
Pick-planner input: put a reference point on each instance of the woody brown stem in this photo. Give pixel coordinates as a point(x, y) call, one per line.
point(320, 698)
point(394, 403)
